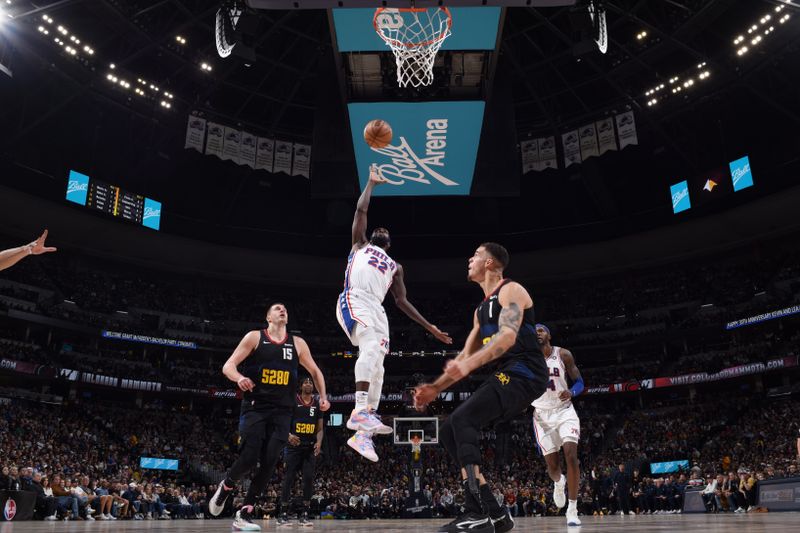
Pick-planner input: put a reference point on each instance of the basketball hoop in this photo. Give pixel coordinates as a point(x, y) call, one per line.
point(415, 35)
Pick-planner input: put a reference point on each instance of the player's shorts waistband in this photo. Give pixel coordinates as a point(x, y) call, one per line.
point(562, 407)
point(361, 294)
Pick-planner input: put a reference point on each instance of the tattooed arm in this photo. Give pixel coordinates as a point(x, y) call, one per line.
point(514, 299)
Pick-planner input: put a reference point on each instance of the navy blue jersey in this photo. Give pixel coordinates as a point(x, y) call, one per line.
point(525, 356)
point(273, 368)
point(304, 420)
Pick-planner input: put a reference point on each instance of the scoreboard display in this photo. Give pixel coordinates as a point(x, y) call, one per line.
point(113, 200)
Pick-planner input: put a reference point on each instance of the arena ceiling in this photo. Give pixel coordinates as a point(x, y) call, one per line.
point(64, 110)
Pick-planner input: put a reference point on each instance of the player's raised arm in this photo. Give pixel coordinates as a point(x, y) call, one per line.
point(398, 289)
point(360, 218)
point(12, 256)
point(574, 374)
point(247, 345)
point(304, 353)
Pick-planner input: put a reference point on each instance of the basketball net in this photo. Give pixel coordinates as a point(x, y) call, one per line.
point(416, 447)
point(415, 35)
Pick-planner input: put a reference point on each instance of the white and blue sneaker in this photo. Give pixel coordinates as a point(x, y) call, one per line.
point(362, 443)
point(559, 495)
point(572, 517)
point(366, 420)
point(244, 520)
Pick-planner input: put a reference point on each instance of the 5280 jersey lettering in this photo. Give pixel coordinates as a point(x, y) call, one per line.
point(274, 377)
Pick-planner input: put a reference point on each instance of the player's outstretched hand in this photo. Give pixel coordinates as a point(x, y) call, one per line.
point(441, 336)
point(375, 175)
point(294, 440)
point(38, 247)
point(324, 404)
point(423, 395)
point(246, 384)
point(456, 369)
point(564, 395)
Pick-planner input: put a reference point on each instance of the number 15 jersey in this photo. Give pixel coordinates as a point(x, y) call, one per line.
point(273, 368)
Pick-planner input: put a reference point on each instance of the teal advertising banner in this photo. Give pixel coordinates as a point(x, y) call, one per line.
point(473, 28)
point(433, 149)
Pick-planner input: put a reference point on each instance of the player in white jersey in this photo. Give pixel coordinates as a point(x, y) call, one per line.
point(370, 274)
point(556, 423)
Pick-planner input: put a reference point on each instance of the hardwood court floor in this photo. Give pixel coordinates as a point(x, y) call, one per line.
point(750, 523)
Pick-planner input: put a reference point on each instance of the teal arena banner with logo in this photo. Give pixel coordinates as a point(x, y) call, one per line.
point(741, 174)
point(680, 197)
point(152, 214)
point(473, 28)
point(77, 187)
point(433, 149)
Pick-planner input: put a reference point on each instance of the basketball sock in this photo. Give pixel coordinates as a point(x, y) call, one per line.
point(361, 400)
point(573, 504)
point(471, 503)
point(489, 501)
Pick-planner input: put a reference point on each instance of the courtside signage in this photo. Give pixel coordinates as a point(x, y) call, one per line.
point(741, 174)
point(474, 28)
point(680, 197)
point(158, 463)
point(433, 149)
point(77, 187)
point(669, 466)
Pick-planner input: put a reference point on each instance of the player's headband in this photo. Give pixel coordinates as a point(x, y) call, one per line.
point(544, 328)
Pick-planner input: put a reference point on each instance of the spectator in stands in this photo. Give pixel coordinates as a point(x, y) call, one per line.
point(747, 491)
point(12, 256)
point(134, 499)
point(64, 498)
point(45, 506)
point(711, 494)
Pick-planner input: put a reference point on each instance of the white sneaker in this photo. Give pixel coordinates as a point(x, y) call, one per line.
point(365, 420)
point(572, 517)
point(50, 518)
point(217, 502)
point(101, 517)
point(362, 443)
point(559, 497)
point(111, 516)
point(244, 522)
point(631, 513)
point(90, 518)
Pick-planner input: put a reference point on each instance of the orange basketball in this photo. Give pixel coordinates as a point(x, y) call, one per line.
point(377, 133)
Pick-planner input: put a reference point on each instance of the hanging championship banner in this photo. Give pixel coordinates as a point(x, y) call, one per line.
point(605, 135)
point(302, 160)
point(530, 155)
point(588, 141)
point(547, 153)
point(214, 139)
point(247, 150)
point(626, 126)
point(283, 157)
point(572, 148)
point(231, 144)
point(195, 133)
point(265, 152)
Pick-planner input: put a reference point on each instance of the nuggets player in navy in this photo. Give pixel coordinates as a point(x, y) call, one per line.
point(305, 445)
point(264, 367)
point(503, 335)
point(370, 274)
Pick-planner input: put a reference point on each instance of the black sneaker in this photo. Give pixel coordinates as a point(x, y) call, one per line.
point(283, 520)
point(469, 521)
point(217, 501)
point(502, 523)
point(304, 521)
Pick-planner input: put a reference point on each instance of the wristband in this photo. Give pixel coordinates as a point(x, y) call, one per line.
point(577, 387)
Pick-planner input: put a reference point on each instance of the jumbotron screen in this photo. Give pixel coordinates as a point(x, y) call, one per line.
point(113, 200)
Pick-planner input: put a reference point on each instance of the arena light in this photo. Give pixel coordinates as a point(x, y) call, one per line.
point(180, 39)
point(641, 35)
point(205, 66)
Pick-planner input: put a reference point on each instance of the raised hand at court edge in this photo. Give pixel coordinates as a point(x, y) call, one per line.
point(423, 395)
point(441, 336)
point(38, 247)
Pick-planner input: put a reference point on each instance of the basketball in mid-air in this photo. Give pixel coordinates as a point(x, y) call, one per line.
point(378, 133)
